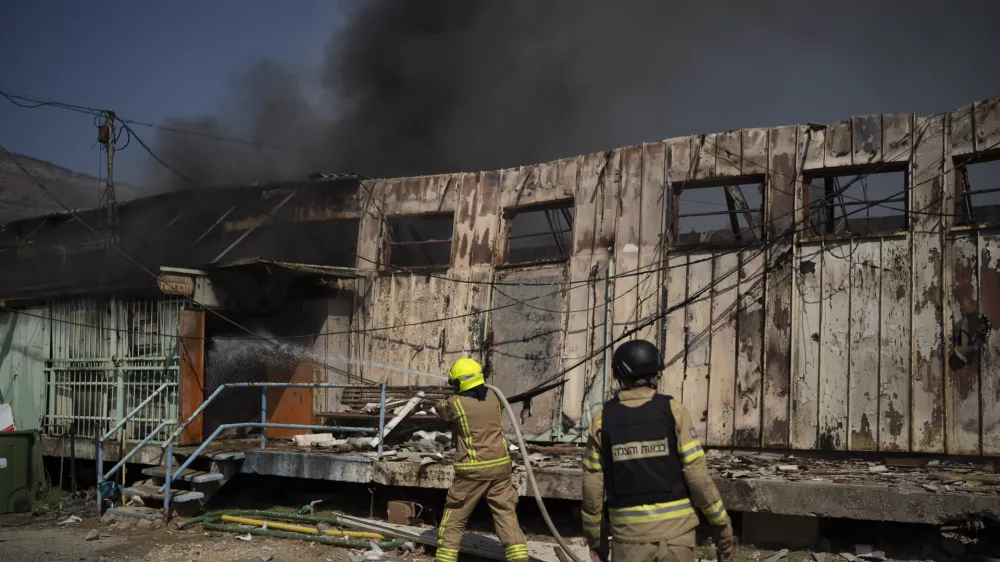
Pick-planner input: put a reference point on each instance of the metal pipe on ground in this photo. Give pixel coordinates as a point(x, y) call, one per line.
point(332, 541)
point(278, 526)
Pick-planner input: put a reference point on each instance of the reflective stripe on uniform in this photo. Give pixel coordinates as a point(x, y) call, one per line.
point(592, 459)
point(651, 512)
point(467, 434)
point(591, 521)
point(444, 521)
point(715, 513)
point(516, 552)
point(446, 554)
point(482, 464)
point(691, 451)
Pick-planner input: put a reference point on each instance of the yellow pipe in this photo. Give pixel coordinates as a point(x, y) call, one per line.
point(300, 529)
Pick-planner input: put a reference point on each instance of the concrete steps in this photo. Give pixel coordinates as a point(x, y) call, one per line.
point(189, 475)
point(153, 493)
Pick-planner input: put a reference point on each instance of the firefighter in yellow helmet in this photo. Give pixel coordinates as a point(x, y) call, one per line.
point(482, 464)
point(643, 462)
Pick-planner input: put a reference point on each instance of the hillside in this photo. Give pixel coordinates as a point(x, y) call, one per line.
point(20, 196)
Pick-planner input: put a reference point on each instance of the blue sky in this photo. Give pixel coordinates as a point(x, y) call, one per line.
point(149, 61)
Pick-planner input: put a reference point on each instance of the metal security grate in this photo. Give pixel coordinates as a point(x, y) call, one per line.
point(107, 357)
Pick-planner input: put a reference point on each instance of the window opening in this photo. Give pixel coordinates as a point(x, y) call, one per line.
point(977, 192)
point(539, 234)
point(856, 204)
point(713, 213)
point(420, 241)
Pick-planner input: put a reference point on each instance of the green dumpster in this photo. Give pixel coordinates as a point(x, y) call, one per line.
point(15, 471)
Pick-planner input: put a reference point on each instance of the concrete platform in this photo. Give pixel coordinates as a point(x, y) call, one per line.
point(86, 449)
point(875, 502)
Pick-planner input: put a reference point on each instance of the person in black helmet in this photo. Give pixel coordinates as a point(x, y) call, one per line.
point(644, 463)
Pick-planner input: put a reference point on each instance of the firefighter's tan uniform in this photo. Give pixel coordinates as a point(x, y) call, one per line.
point(657, 532)
point(482, 468)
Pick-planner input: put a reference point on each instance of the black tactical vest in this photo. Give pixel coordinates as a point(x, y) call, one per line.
point(639, 448)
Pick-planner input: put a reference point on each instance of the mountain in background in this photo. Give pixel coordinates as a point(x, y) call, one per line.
point(20, 196)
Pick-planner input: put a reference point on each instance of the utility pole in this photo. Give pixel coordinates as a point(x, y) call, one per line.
point(106, 136)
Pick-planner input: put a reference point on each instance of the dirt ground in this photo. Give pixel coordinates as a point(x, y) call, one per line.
point(29, 539)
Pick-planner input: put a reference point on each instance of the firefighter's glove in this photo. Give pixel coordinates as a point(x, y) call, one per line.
point(724, 541)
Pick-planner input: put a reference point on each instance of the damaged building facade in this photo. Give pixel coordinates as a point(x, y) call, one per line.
point(813, 287)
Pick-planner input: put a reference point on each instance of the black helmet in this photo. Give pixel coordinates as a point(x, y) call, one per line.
point(636, 359)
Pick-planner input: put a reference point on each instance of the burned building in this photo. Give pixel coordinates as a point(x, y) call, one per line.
point(813, 287)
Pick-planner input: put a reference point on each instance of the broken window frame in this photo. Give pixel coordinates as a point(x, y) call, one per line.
point(509, 213)
point(964, 210)
point(754, 216)
point(390, 244)
point(830, 176)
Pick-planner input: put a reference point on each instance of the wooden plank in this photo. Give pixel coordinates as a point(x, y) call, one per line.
point(625, 307)
point(750, 344)
point(897, 137)
point(815, 155)
point(894, 359)
point(927, 403)
point(806, 347)
point(835, 347)
point(754, 159)
point(191, 384)
point(867, 134)
point(838, 144)
point(651, 251)
point(989, 302)
point(729, 153)
point(962, 414)
point(679, 159)
point(961, 132)
point(699, 340)
point(722, 389)
point(672, 380)
point(987, 119)
point(703, 159)
point(783, 150)
point(865, 309)
point(465, 220)
point(487, 218)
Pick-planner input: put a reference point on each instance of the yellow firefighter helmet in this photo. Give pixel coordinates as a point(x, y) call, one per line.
point(466, 374)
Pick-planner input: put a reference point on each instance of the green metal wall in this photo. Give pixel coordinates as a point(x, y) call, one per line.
point(24, 349)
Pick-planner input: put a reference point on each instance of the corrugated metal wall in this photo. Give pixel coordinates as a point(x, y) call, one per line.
point(24, 349)
point(840, 343)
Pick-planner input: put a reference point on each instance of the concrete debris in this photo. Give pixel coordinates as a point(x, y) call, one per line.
point(849, 557)
point(930, 487)
point(788, 468)
point(93, 535)
point(736, 473)
point(317, 440)
point(878, 468)
point(72, 519)
point(266, 556)
point(777, 555)
point(819, 556)
point(868, 552)
point(245, 537)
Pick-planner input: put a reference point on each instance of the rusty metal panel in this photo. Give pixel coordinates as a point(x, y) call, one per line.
point(867, 136)
point(393, 197)
point(569, 177)
point(679, 159)
point(651, 237)
point(588, 201)
point(722, 385)
point(527, 346)
point(863, 396)
point(987, 119)
point(835, 346)
point(548, 183)
point(371, 226)
point(457, 336)
point(410, 196)
point(989, 303)
point(897, 137)
point(487, 218)
point(332, 348)
point(894, 359)
point(381, 314)
point(754, 160)
point(963, 377)
point(625, 311)
point(783, 151)
point(699, 341)
point(749, 350)
point(703, 159)
point(192, 379)
point(465, 219)
point(672, 380)
point(928, 389)
point(806, 346)
point(838, 144)
point(729, 153)
point(815, 153)
point(961, 132)
point(609, 178)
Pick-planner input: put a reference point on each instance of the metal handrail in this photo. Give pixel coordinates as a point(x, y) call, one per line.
point(135, 411)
